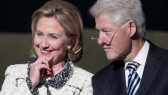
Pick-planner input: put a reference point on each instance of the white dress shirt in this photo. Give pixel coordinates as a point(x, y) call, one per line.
point(141, 59)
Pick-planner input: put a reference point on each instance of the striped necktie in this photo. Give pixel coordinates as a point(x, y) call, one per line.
point(133, 78)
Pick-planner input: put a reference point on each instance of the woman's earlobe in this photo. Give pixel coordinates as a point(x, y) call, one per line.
point(69, 47)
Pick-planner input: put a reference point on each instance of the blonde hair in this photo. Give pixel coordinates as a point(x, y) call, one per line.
point(70, 19)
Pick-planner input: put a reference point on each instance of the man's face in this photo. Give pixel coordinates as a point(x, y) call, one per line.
point(114, 39)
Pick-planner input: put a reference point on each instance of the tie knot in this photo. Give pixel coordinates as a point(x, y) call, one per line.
point(132, 66)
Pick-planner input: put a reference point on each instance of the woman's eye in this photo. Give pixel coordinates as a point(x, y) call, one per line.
point(53, 36)
point(38, 33)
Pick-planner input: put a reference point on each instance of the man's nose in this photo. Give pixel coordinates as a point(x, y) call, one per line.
point(101, 38)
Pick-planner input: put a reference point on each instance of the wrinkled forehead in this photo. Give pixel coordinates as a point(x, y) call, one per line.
point(105, 19)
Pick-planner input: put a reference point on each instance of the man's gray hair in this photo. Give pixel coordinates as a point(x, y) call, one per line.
point(121, 11)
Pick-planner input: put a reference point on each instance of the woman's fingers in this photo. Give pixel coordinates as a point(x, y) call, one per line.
point(41, 63)
point(38, 70)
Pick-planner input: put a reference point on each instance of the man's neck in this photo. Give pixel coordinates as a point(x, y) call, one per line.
point(136, 47)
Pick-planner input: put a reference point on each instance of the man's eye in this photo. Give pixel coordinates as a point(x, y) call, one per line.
point(107, 32)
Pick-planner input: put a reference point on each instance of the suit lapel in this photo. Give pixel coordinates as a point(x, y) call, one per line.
point(121, 81)
point(151, 69)
point(120, 87)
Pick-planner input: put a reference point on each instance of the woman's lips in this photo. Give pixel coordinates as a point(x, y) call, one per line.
point(46, 52)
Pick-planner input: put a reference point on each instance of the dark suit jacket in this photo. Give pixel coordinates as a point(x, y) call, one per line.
point(111, 79)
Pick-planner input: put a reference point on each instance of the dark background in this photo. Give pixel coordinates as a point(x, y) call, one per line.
point(15, 35)
point(15, 15)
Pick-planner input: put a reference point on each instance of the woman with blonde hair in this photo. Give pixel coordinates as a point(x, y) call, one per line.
point(57, 45)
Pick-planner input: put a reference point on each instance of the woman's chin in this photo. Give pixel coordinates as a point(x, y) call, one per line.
point(48, 58)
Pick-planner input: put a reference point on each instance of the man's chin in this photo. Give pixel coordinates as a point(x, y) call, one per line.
point(111, 58)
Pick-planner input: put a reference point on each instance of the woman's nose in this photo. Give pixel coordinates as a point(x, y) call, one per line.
point(44, 43)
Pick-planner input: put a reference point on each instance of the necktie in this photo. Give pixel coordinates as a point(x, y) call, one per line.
point(133, 78)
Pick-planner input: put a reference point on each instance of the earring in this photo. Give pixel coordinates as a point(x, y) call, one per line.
point(69, 47)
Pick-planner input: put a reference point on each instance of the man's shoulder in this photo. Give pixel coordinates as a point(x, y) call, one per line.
point(157, 51)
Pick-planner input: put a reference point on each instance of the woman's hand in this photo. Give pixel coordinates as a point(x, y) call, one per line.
point(38, 70)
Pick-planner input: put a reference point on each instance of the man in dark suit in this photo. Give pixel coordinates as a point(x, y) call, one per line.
point(138, 67)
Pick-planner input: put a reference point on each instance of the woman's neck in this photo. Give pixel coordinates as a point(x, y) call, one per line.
point(56, 68)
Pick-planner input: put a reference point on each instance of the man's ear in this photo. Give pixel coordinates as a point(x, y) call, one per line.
point(132, 28)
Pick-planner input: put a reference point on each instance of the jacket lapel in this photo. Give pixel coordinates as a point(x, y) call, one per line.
point(151, 69)
point(120, 85)
point(121, 82)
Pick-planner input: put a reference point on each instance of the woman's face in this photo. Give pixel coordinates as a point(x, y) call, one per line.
point(50, 41)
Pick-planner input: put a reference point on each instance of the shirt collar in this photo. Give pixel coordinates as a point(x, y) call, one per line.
point(142, 55)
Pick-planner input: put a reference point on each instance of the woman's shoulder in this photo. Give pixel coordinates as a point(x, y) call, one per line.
point(17, 70)
point(80, 77)
point(80, 72)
